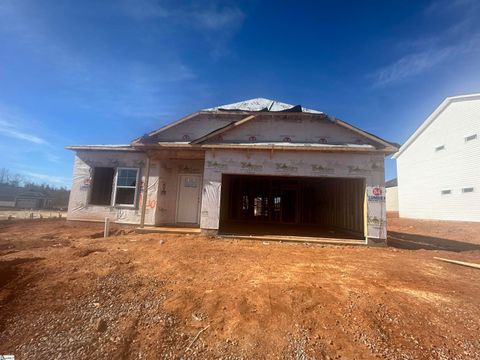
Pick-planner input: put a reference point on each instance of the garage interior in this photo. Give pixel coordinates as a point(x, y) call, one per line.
point(292, 206)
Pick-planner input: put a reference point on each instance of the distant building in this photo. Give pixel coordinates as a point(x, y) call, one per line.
point(32, 199)
point(391, 193)
point(21, 198)
point(8, 195)
point(438, 167)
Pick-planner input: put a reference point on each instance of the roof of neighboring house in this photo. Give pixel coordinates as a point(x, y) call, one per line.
point(101, 147)
point(32, 194)
point(432, 117)
point(236, 114)
point(391, 183)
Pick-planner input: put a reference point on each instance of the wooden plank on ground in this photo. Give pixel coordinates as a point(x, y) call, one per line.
point(463, 263)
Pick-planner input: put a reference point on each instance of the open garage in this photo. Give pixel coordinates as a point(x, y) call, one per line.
point(294, 206)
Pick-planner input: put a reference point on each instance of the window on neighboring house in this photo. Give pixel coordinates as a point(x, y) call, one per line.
point(467, 189)
point(446, 192)
point(440, 148)
point(470, 137)
point(126, 186)
point(102, 185)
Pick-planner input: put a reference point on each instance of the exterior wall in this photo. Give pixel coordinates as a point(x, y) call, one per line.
point(423, 172)
point(196, 127)
point(168, 187)
point(264, 128)
point(26, 203)
point(7, 203)
point(392, 198)
point(295, 163)
point(295, 129)
point(79, 207)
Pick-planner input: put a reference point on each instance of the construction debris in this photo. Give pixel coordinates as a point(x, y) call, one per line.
point(463, 263)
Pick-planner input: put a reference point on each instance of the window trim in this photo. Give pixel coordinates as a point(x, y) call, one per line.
point(115, 187)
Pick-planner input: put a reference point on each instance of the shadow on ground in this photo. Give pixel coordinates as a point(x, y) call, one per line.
point(417, 242)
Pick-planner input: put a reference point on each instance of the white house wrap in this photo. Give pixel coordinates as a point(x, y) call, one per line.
point(255, 166)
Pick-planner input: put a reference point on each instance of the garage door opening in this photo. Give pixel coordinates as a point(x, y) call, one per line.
point(292, 206)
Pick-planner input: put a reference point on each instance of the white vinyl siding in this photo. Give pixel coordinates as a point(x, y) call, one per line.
point(424, 174)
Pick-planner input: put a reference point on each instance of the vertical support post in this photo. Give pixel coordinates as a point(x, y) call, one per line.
point(365, 212)
point(106, 229)
point(145, 193)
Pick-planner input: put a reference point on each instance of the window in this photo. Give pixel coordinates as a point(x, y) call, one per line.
point(470, 137)
point(126, 186)
point(245, 202)
point(446, 192)
point(260, 206)
point(467, 189)
point(277, 203)
point(101, 193)
point(440, 148)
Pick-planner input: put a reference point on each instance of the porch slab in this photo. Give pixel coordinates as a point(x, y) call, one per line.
point(302, 239)
point(168, 229)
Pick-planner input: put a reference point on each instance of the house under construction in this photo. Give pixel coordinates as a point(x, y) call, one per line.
point(253, 168)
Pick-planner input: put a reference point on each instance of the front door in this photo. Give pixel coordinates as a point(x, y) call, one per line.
point(188, 200)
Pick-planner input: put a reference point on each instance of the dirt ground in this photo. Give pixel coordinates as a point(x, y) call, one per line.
point(67, 293)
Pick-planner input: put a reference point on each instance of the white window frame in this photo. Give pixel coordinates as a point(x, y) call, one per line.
point(115, 187)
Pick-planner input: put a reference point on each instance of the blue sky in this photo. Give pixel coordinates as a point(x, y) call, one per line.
point(96, 72)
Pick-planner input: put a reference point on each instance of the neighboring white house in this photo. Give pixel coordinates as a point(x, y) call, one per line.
point(391, 193)
point(254, 167)
point(438, 167)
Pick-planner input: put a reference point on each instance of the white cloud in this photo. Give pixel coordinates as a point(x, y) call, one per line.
point(411, 65)
point(214, 23)
point(45, 177)
point(9, 129)
point(461, 39)
point(445, 6)
point(125, 87)
point(216, 19)
point(426, 57)
point(22, 20)
point(144, 9)
point(207, 15)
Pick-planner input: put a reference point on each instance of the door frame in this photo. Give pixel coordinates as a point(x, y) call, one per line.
point(200, 186)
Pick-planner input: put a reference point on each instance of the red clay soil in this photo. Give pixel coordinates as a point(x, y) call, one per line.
point(67, 293)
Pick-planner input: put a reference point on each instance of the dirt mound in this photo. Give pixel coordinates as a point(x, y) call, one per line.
point(134, 296)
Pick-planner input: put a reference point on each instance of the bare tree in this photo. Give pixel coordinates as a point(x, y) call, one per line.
point(4, 175)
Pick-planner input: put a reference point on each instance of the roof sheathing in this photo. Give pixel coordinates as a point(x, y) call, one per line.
point(259, 105)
